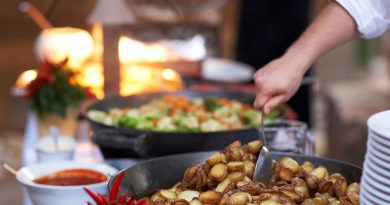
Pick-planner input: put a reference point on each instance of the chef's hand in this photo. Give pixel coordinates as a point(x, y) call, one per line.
point(279, 80)
point(276, 83)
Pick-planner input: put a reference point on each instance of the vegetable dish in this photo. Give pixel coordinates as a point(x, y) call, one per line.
point(182, 114)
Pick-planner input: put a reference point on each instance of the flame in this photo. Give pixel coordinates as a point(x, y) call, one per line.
point(169, 74)
point(131, 50)
point(58, 44)
point(91, 76)
point(25, 78)
point(139, 78)
point(138, 75)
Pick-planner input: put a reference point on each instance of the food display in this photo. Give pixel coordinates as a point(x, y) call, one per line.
point(225, 178)
point(182, 114)
point(72, 177)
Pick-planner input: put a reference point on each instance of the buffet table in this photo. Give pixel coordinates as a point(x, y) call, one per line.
point(87, 151)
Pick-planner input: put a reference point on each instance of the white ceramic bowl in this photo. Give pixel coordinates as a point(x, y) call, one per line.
point(60, 195)
point(46, 150)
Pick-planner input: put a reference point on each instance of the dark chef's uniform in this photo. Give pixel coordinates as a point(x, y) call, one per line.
point(267, 29)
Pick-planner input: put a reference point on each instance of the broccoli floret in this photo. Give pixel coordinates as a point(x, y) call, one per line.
point(127, 121)
point(144, 124)
point(211, 104)
point(252, 117)
point(274, 114)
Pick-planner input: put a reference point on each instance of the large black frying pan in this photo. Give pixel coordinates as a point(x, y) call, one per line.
point(147, 176)
point(127, 142)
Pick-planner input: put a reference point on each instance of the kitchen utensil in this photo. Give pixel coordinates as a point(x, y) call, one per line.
point(54, 135)
point(9, 168)
point(263, 169)
point(35, 14)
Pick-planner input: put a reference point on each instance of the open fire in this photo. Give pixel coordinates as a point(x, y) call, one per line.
point(142, 69)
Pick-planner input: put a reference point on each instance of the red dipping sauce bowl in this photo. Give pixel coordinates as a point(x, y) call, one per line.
point(72, 177)
point(62, 182)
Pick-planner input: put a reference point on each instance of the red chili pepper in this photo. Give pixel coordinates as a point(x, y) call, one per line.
point(89, 93)
point(131, 200)
point(123, 197)
point(115, 188)
point(95, 197)
point(104, 199)
point(89, 203)
point(141, 202)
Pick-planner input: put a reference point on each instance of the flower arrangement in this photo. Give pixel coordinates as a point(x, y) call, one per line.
point(113, 198)
point(55, 90)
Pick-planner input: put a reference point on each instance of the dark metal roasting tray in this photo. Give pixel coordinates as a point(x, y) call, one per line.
point(126, 142)
point(145, 177)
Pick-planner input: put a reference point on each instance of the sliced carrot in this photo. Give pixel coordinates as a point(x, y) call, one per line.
point(245, 107)
point(203, 117)
point(154, 123)
point(224, 101)
point(202, 108)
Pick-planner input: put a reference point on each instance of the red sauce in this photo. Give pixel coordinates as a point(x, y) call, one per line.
point(72, 177)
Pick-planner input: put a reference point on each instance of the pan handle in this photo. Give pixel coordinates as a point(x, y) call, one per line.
point(115, 139)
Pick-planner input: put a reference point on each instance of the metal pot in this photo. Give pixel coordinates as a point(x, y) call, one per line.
point(145, 177)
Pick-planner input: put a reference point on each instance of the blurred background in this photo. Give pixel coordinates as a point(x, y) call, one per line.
point(341, 90)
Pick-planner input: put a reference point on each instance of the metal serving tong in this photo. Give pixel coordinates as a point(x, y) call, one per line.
point(263, 169)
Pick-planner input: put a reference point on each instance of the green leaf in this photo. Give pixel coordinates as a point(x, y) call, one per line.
point(58, 96)
point(211, 104)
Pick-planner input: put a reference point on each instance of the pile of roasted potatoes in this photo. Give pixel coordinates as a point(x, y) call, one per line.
point(225, 178)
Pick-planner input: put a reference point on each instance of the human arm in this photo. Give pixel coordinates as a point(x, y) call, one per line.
point(280, 79)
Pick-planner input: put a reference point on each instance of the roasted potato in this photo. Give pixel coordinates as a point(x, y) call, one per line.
point(195, 202)
point(290, 164)
point(210, 197)
point(218, 172)
point(238, 198)
point(254, 147)
point(216, 159)
point(236, 176)
point(249, 168)
point(235, 166)
point(180, 202)
point(225, 186)
point(167, 194)
point(188, 195)
point(225, 178)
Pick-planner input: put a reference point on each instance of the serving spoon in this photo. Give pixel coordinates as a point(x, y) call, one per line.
point(13, 171)
point(263, 169)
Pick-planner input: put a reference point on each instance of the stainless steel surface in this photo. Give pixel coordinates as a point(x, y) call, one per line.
point(262, 132)
point(263, 169)
point(143, 178)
